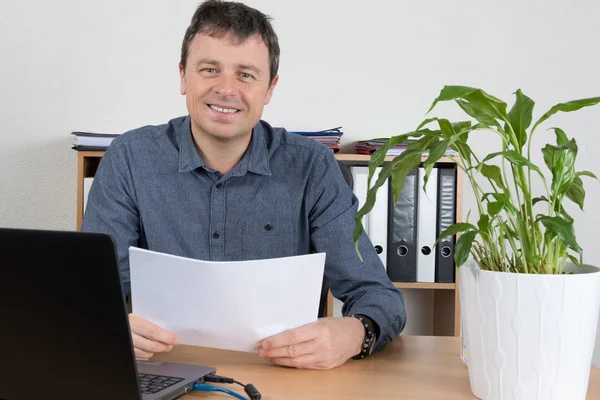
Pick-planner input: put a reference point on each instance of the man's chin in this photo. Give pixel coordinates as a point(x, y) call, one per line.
point(225, 135)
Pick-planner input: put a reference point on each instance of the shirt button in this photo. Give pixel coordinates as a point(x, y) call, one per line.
point(216, 235)
point(219, 185)
point(268, 227)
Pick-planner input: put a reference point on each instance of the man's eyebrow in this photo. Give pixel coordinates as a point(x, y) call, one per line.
point(208, 61)
point(249, 67)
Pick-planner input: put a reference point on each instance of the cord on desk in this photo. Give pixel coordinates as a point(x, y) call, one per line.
point(250, 389)
point(203, 387)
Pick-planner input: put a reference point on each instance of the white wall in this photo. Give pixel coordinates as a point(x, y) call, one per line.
point(373, 67)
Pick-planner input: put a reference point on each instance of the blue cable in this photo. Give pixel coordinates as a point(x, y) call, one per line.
point(203, 387)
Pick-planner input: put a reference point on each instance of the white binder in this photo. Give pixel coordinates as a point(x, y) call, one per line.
point(375, 223)
point(87, 185)
point(426, 226)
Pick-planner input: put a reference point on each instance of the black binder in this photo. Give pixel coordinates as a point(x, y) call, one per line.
point(402, 231)
point(446, 216)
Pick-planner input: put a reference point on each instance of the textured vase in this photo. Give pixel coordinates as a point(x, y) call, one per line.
point(529, 337)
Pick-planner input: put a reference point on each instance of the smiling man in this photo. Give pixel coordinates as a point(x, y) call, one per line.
point(221, 184)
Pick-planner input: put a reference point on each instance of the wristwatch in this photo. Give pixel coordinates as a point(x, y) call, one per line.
point(370, 336)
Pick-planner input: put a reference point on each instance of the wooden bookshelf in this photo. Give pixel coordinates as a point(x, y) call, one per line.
point(446, 302)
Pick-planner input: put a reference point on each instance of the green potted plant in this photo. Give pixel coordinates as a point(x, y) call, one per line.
point(529, 304)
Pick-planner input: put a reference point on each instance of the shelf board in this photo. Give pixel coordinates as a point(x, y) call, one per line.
point(350, 157)
point(425, 285)
point(366, 157)
point(91, 153)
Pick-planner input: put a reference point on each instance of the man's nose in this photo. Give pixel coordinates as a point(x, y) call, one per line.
point(227, 85)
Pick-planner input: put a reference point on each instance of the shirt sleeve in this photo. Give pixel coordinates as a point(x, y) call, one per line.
point(363, 287)
point(111, 208)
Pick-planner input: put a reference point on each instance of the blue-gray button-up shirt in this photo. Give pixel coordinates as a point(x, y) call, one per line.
point(285, 197)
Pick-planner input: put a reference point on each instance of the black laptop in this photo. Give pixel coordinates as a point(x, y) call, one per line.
point(64, 329)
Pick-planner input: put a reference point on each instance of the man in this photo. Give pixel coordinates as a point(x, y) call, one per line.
point(220, 184)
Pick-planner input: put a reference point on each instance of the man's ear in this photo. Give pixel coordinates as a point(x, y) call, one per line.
point(182, 88)
point(271, 88)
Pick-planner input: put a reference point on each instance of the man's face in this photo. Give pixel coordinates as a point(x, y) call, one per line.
point(226, 86)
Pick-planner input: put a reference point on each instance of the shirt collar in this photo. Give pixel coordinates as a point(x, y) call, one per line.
point(256, 158)
point(189, 159)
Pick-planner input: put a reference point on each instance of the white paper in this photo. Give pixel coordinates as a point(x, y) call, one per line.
point(229, 305)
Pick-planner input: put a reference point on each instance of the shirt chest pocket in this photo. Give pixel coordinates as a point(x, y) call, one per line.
point(268, 238)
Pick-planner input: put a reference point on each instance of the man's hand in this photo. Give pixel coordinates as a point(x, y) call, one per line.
point(324, 344)
point(149, 338)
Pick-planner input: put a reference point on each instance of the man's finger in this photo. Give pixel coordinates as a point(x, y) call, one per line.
point(142, 355)
point(293, 336)
point(149, 330)
point(295, 362)
point(290, 351)
point(150, 346)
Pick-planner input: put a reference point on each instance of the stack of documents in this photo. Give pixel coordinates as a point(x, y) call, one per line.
point(330, 137)
point(370, 146)
point(93, 141)
point(229, 305)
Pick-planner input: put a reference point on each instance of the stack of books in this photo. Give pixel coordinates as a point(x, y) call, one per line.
point(330, 137)
point(370, 146)
point(93, 141)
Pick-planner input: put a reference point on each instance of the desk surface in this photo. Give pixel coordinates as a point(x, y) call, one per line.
point(413, 367)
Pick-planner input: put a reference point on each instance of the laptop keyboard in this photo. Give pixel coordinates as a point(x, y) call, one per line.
point(155, 383)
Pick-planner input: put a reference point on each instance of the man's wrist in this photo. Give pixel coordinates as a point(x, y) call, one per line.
point(369, 336)
point(358, 336)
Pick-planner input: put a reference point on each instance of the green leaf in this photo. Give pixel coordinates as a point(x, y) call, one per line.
point(487, 104)
point(576, 192)
point(454, 229)
point(463, 150)
point(463, 247)
point(410, 161)
point(574, 260)
point(520, 117)
point(504, 198)
point(474, 112)
point(446, 128)
point(426, 122)
point(484, 225)
point(551, 155)
point(461, 127)
point(451, 93)
point(565, 215)
point(436, 152)
point(561, 136)
point(563, 229)
point(425, 144)
point(492, 172)
point(568, 107)
point(586, 173)
point(494, 207)
point(536, 200)
point(561, 161)
point(378, 156)
point(515, 158)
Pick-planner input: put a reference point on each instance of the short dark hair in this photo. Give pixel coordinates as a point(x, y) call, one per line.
point(218, 18)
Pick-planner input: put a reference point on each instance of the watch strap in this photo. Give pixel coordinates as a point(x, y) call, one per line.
point(370, 336)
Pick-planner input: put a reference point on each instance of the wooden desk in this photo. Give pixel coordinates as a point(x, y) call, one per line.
point(413, 367)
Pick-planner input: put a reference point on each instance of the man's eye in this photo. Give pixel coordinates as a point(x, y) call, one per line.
point(208, 70)
point(245, 75)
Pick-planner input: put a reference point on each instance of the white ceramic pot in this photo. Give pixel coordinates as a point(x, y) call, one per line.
point(529, 337)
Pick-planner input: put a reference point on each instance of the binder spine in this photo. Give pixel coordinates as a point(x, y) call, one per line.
point(402, 232)
point(375, 222)
point(427, 212)
point(446, 216)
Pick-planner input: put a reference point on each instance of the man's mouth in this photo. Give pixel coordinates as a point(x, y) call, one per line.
point(223, 110)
